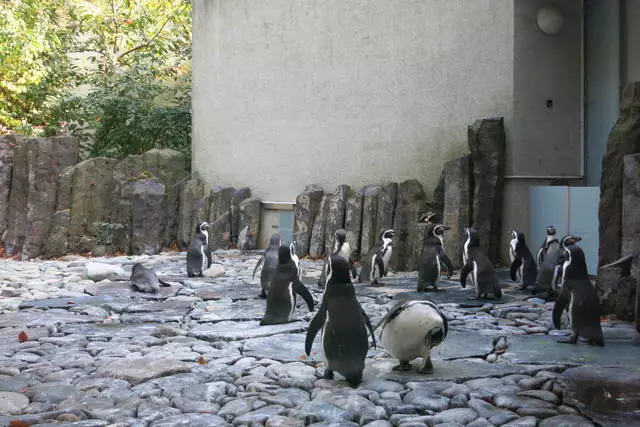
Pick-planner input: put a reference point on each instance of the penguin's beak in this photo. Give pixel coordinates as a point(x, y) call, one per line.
point(446, 227)
point(205, 226)
point(577, 238)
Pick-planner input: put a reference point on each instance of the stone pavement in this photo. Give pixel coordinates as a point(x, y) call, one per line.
point(79, 352)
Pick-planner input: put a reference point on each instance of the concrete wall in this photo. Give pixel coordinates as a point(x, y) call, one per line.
point(292, 92)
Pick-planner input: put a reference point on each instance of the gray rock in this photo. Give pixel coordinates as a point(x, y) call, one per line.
point(353, 220)
point(296, 374)
point(191, 192)
point(379, 423)
point(410, 206)
point(220, 233)
point(52, 392)
point(250, 211)
point(364, 410)
point(459, 401)
point(144, 199)
point(282, 421)
point(305, 212)
point(566, 421)
point(37, 162)
point(369, 233)
point(190, 420)
point(547, 396)
point(425, 400)
point(12, 403)
point(523, 422)
point(537, 412)
point(481, 422)
point(238, 197)
point(386, 207)
point(233, 331)
point(318, 411)
point(459, 415)
point(136, 371)
point(457, 205)
point(516, 402)
point(57, 243)
point(260, 416)
point(487, 146)
point(490, 412)
point(316, 244)
point(335, 215)
point(8, 146)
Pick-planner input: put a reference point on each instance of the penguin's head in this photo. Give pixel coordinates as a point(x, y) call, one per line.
point(551, 230)
point(429, 217)
point(136, 267)
point(521, 239)
point(439, 229)
point(514, 234)
point(284, 254)
point(387, 235)
point(569, 240)
point(275, 241)
point(202, 227)
point(292, 250)
point(340, 235)
point(574, 262)
point(471, 236)
point(337, 270)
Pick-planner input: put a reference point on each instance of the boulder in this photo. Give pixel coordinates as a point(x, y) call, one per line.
point(316, 244)
point(437, 204)
point(305, 212)
point(335, 215)
point(411, 205)
point(36, 165)
point(57, 244)
point(192, 191)
point(169, 166)
point(65, 189)
point(98, 271)
point(369, 233)
point(238, 196)
point(624, 139)
point(216, 270)
point(220, 218)
point(353, 220)
point(8, 146)
point(386, 207)
point(630, 205)
point(457, 206)
point(487, 145)
point(250, 216)
point(146, 199)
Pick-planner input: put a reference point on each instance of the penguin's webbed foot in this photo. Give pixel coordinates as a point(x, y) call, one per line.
point(572, 339)
point(403, 366)
point(328, 374)
point(263, 294)
point(427, 368)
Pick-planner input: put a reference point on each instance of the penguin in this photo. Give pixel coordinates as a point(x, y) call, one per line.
point(295, 258)
point(198, 254)
point(523, 262)
point(281, 298)
point(344, 325)
point(340, 247)
point(512, 252)
point(145, 280)
point(376, 261)
point(410, 329)
point(269, 262)
point(471, 241)
point(433, 257)
point(581, 297)
point(550, 240)
point(479, 265)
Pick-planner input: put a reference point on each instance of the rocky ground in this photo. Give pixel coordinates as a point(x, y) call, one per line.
point(78, 350)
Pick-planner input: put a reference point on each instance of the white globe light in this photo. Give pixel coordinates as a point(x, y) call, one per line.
point(550, 19)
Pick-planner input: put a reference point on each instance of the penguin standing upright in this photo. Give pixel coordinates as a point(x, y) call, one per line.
point(471, 240)
point(581, 297)
point(199, 254)
point(344, 325)
point(281, 298)
point(410, 329)
point(480, 267)
point(550, 241)
point(295, 258)
point(269, 262)
point(145, 280)
point(433, 257)
point(512, 253)
point(340, 247)
point(523, 262)
point(376, 262)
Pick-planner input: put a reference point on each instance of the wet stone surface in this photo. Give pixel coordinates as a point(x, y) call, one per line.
point(79, 352)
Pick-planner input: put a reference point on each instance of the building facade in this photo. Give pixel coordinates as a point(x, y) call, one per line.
point(293, 92)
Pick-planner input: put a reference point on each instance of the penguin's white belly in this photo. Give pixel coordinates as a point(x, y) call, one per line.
point(387, 257)
point(345, 251)
point(204, 258)
point(404, 336)
point(292, 301)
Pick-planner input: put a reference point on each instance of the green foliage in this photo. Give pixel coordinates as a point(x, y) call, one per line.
point(114, 72)
point(106, 232)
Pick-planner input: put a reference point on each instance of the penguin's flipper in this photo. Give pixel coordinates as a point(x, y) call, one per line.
point(515, 265)
point(302, 290)
point(352, 267)
point(380, 265)
point(258, 264)
point(446, 261)
point(209, 257)
point(540, 255)
point(561, 302)
point(393, 311)
point(314, 326)
point(367, 322)
point(466, 269)
point(163, 283)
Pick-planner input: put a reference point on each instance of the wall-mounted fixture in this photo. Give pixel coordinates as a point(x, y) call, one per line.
point(550, 19)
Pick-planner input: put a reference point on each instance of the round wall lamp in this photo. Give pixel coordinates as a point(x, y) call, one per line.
point(550, 19)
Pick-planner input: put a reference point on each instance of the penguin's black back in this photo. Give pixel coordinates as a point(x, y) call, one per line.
point(279, 297)
point(530, 268)
point(487, 278)
point(429, 271)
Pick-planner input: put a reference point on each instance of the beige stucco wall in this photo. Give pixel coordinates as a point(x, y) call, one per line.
point(292, 92)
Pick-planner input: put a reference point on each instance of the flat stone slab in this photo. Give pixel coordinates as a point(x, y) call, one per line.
point(72, 302)
point(284, 348)
point(447, 370)
point(234, 331)
point(11, 403)
point(112, 330)
point(240, 310)
point(546, 349)
point(139, 370)
point(463, 344)
point(239, 292)
point(124, 290)
point(31, 319)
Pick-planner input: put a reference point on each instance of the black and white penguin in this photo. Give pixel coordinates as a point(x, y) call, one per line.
point(433, 258)
point(199, 254)
point(281, 298)
point(340, 247)
point(581, 297)
point(376, 262)
point(550, 241)
point(471, 240)
point(523, 262)
point(344, 325)
point(295, 258)
point(269, 262)
point(145, 280)
point(512, 252)
point(410, 329)
point(480, 267)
